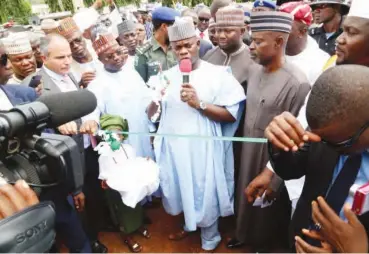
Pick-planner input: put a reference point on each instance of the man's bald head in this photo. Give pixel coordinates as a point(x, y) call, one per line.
point(338, 104)
point(56, 53)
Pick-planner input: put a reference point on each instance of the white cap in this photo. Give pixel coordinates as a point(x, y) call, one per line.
point(359, 8)
point(49, 24)
point(86, 18)
point(17, 43)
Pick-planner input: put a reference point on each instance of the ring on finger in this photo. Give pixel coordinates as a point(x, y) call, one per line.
point(317, 226)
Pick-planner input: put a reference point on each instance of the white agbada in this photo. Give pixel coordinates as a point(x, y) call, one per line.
point(196, 175)
point(124, 93)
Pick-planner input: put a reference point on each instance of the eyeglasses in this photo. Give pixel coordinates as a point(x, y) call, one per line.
point(4, 60)
point(349, 142)
point(204, 20)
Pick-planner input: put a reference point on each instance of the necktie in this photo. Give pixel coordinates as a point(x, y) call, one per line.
point(340, 189)
point(202, 35)
point(68, 84)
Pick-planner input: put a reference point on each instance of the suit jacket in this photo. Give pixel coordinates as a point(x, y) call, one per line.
point(49, 86)
point(19, 94)
point(317, 162)
point(205, 46)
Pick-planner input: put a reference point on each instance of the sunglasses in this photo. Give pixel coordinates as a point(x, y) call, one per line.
point(204, 20)
point(349, 142)
point(4, 60)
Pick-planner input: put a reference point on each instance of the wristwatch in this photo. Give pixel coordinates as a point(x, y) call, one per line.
point(202, 105)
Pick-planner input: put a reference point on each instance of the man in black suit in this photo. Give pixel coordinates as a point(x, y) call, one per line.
point(56, 78)
point(336, 156)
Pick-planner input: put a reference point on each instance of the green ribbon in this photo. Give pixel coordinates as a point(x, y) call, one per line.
point(233, 139)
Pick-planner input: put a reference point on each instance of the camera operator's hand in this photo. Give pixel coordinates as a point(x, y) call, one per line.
point(79, 201)
point(68, 128)
point(89, 127)
point(15, 198)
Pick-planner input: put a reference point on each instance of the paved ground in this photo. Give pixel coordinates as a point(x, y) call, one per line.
point(163, 225)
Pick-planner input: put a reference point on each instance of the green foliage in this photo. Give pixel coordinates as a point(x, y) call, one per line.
point(19, 10)
point(119, 3)
point(54, 5)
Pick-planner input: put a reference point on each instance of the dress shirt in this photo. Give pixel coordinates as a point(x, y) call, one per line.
point(5, 103)
point(65, 84)
point(361, 178)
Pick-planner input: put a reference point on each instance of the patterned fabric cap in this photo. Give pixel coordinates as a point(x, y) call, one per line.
point(182, 29)
point(300, 11)
point(104, 42)
point(17, 43)
point(126, 26)
point(230, 16)
point(67, 27)
point(274, 21)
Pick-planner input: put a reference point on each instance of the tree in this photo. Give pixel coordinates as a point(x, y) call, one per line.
point(117, 2)
point(59, 5)
point(19, 10)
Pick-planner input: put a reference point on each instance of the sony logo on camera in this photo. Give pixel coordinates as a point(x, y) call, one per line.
point(31, 232)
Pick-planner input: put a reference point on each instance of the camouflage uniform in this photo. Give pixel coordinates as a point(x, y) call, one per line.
point(150, 57)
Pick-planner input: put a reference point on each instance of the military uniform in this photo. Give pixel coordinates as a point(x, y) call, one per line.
point(150, 57)
point(328, 45)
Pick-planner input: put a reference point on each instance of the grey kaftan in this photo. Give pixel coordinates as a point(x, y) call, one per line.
point(268, 95)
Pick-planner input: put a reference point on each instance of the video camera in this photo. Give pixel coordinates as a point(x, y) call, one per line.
point(30, 151)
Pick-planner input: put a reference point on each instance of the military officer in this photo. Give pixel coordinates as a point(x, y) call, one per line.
point(156, 54)
point(329, 13)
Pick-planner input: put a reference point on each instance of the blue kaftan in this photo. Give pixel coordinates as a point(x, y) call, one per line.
point(196, 176)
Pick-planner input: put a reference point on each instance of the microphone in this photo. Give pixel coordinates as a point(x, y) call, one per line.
point(69, 106)
point(185, 66)
point(50, 110)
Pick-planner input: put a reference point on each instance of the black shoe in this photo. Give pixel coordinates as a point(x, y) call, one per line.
point(98, 247)
point(234, 243)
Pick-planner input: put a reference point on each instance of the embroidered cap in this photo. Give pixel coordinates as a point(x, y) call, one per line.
point(67, 27)
point(17, 43)
point(126, 26)
point(230, 16)
point(104, 42)
point(182, 29)
point(217, 4)
point(49, 24)
point(271, 21)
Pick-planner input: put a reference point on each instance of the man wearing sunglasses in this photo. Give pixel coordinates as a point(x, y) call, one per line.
point(6, 70)
point(83, 66)
point(328, 13)
point(203, 24)
point(332, 156)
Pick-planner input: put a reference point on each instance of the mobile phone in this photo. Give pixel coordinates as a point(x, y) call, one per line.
point(35, 81)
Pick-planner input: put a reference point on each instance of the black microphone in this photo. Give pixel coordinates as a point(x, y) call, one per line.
point(50, 110)
point(69, 106)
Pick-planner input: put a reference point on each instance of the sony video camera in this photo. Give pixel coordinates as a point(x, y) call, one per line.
point(29, 151)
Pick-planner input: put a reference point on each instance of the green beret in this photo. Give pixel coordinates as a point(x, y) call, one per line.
point(109, 122)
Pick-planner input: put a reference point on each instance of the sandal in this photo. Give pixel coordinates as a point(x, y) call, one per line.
point(144, 232)
point(178, 236)
point(133, 246)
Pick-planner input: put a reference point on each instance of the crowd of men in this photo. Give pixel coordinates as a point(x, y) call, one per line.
point(266, 72)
